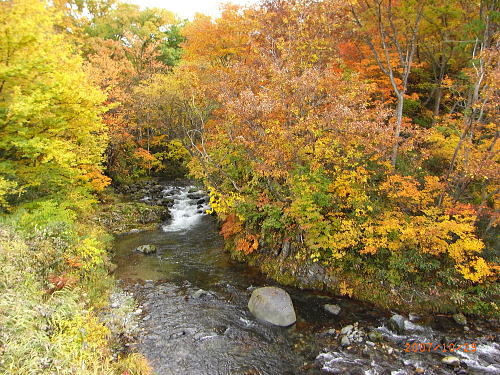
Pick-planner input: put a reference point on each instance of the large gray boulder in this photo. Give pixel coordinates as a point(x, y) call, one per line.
point(272, 305)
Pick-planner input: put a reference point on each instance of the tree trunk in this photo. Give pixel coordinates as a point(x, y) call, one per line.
point(397, 129)
point(437, 103)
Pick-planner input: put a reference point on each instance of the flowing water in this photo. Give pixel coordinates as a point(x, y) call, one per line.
point(195, 319)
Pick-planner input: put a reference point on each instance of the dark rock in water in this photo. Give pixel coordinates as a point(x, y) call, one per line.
point(332, 309)
point(196, 196)
point(201, 201)
point(146, 249)
point(397, 323)
point(166, 202)
point(460, 319)
point(272, 305)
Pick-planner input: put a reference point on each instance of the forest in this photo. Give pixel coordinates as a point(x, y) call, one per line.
point(357, 136)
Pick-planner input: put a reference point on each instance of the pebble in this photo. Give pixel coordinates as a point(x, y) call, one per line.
point(347, 329)
point(331, 331)
point(345, 341)
point(451, 360)
point(332, 309)
point(376, 336)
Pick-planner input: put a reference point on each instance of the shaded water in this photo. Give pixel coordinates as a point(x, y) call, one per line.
point(196, 321)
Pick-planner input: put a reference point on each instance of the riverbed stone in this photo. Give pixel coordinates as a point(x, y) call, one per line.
point(345, 341)
point(376, 336)
point(272, 305)
point(397, 323)
point(146, 249)
point(200, 293)
point(451, 360)
point(347, 329)
point(460, 319)
point(332, 309)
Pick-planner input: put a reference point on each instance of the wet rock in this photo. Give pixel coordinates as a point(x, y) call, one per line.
point(166, 202)
point(331, 331)
point(345, 341)
point(272, 305)
point(413, 317)
point(460, 319)
point(200, 293)
point(196, 196)
point(409, 326)
point(332, 309)
point(451, 360)
point(315, 274)
point(146, 249)
point(397, 323)
point(375, 336)
point(201, 201)
point(347, 329)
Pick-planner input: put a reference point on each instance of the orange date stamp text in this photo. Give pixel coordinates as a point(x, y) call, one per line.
point(422, 347)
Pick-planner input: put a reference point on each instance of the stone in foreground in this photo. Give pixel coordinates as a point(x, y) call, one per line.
point(332, 309)
point(272, 305)
point(397, 323)
point(451, 360)
point(146, 249)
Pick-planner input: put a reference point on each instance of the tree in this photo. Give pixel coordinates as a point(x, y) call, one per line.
point(51, 134)
point(392, 38)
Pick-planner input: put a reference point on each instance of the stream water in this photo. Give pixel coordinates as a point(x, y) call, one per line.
point(195, 318)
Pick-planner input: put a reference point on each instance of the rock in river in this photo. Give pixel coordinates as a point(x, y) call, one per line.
point(397, 323)
point(332, 309)
point(460, 319)
point(273, 305)
point(146, 249)
point(451, 360)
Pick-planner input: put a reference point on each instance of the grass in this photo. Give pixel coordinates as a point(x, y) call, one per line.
point(53, 289)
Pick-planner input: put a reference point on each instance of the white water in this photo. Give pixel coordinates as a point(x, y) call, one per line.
point(185, 212)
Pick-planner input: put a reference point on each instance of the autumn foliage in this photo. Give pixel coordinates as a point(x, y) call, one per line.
point(290, 112)
point(358, 135)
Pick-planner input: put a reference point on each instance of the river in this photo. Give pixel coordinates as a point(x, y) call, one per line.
point(195, 320)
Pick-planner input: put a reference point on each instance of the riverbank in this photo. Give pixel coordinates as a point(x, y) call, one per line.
point(283, 267)
point(55, 288)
